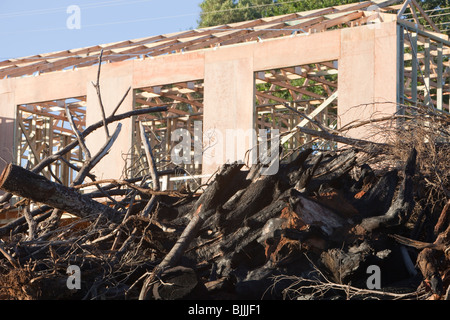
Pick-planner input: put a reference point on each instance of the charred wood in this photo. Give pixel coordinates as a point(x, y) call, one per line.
point(401, 208)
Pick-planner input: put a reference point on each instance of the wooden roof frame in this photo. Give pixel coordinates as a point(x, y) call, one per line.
point(260, 29)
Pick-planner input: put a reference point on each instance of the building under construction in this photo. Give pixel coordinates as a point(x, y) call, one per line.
point(334, 65)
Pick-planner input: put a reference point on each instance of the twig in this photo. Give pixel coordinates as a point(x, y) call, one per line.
point(318, 287)
point(300, 284)
point(121, 101)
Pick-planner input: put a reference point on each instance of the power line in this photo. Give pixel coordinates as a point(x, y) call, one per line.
point(190, 14)
point(138, 20)
point(124, 2)
point(100, 24)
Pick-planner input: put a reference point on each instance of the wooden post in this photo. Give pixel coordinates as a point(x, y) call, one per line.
point(401, 68)
point(439, 75)
point(426, 79)
point(414, 64)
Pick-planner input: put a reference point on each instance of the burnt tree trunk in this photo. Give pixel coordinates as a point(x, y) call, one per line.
point(401, 208)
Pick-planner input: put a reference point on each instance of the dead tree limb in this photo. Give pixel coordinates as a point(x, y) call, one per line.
point(99, 95)
point(428, 264)
point(27, 184)
point(150, 158)
point(142, 190)
point(253, 175)
point(153, 172)
point(366, 146)
point(90, 163)
point(120, 102)
point(307, 175)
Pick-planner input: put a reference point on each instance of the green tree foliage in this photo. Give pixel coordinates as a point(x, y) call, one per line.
point(438, 11)
point(218, 12)
point(433, 4)
point(287, 6)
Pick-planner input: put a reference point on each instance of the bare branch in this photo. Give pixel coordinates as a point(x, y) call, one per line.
point(99, 95)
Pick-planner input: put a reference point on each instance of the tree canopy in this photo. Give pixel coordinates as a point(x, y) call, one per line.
point(218, 12)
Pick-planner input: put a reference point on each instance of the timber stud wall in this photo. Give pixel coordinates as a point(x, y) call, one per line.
point(43, 129)
point(216, 75)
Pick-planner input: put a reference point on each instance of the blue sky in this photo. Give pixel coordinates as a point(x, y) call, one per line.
point(32, 27)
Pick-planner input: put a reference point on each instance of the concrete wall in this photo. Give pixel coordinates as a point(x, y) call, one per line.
point(7, 122)
point(367, 74)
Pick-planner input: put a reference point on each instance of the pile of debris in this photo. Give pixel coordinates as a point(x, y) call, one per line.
point(369, 221)
point(314, 230)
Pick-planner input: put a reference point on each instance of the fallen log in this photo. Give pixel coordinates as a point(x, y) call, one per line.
point(24, 183)
point(257, 196)
point(401, 208)
point(333, 167)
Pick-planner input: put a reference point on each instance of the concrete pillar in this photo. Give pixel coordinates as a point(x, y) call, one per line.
point(228, 116)
point(367, 80)
point(7, 122)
